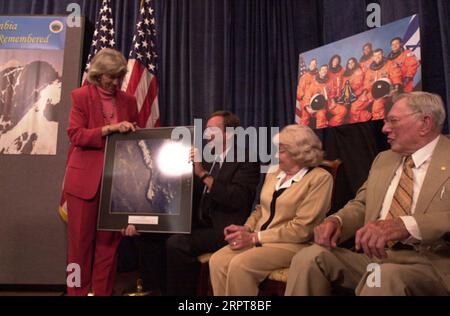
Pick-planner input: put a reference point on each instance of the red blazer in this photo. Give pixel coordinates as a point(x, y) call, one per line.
point(85, 161)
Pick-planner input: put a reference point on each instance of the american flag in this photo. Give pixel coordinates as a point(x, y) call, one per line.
point(140, 80)
point(301, 72)
point(103, 34)
point(301, 66)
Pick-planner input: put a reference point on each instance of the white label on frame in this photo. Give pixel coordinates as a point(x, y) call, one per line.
point(149, 220)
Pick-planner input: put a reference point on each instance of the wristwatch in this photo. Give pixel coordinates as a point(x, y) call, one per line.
point(205, 175)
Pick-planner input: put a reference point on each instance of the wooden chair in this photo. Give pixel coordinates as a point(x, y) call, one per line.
point(275, 283)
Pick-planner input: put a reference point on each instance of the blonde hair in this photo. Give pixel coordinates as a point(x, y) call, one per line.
point(107, 62)
point(302, 144)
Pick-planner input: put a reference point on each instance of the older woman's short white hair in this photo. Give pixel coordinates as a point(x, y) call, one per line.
point(302, 144)
point(107, 62)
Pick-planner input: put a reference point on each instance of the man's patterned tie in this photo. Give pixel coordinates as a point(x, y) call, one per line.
point(403, 196)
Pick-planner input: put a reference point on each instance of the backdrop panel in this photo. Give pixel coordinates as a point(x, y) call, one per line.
point(32, 236)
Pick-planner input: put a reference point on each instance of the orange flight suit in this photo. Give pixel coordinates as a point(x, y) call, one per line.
point(364, 62)
point(328, 90)
point(305, 81)
point(385, 69)
point(358, 108)
point(406, 60)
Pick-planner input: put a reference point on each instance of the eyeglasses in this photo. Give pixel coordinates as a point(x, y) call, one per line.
point(393, 120)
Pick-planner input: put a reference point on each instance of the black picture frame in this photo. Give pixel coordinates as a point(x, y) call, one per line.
point(142, 186)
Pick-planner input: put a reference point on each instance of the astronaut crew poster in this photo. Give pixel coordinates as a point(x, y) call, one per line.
point(31, 62)
point(353, 80)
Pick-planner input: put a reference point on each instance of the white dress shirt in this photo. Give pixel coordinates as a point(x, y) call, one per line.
point(421, 158)
point(296, 178)
point(217, 159)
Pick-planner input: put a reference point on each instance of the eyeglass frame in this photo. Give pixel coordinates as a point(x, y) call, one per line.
point(392, 121)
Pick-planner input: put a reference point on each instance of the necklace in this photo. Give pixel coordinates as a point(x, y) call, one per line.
point(108, 102)
point(107, 117)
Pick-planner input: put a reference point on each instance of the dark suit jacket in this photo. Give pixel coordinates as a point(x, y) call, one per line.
point(231, 196)
point(85, 161)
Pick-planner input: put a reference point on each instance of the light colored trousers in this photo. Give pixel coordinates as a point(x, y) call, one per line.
point(315, 270)
point(239, 272)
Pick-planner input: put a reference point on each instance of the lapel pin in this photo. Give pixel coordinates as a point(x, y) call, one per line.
point(443, 168)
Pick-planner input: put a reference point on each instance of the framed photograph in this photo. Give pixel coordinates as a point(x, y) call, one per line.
point(147, 181)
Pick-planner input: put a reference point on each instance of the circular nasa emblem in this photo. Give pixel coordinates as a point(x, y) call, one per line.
point(56, 26)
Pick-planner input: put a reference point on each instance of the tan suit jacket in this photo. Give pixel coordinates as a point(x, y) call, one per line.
point(298, 209)
point(432, 211)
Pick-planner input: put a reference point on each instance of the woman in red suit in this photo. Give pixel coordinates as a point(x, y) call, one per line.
point(98, 109)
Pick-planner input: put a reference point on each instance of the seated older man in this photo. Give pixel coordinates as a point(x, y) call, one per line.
point(400, 217)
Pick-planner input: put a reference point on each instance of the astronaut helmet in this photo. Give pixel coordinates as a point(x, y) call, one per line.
point(381, 88)
point(318, 102)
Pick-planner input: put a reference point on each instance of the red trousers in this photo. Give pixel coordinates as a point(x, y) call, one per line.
point(94, 251)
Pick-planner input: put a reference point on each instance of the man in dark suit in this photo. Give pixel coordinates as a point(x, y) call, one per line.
point(224, 190)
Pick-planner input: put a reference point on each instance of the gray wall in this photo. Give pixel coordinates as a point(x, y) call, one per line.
point(32, 235)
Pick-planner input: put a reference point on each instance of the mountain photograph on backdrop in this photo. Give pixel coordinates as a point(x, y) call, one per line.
point(31, 66)
point(30, 94)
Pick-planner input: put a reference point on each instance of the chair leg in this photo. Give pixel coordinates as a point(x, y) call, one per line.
point(139, 290)
point(204, 287)
point(271, 288)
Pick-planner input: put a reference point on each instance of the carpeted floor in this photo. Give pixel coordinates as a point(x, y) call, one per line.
point(126, 282)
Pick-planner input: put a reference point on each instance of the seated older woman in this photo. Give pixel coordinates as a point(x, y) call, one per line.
point(295, 197)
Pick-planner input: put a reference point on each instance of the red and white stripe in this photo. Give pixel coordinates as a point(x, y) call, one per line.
point(144, 86)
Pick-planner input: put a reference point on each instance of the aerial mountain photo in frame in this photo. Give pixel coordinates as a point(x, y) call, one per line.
point(147, 181)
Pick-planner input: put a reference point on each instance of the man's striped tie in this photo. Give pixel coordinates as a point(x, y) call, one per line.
point(403, 196)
